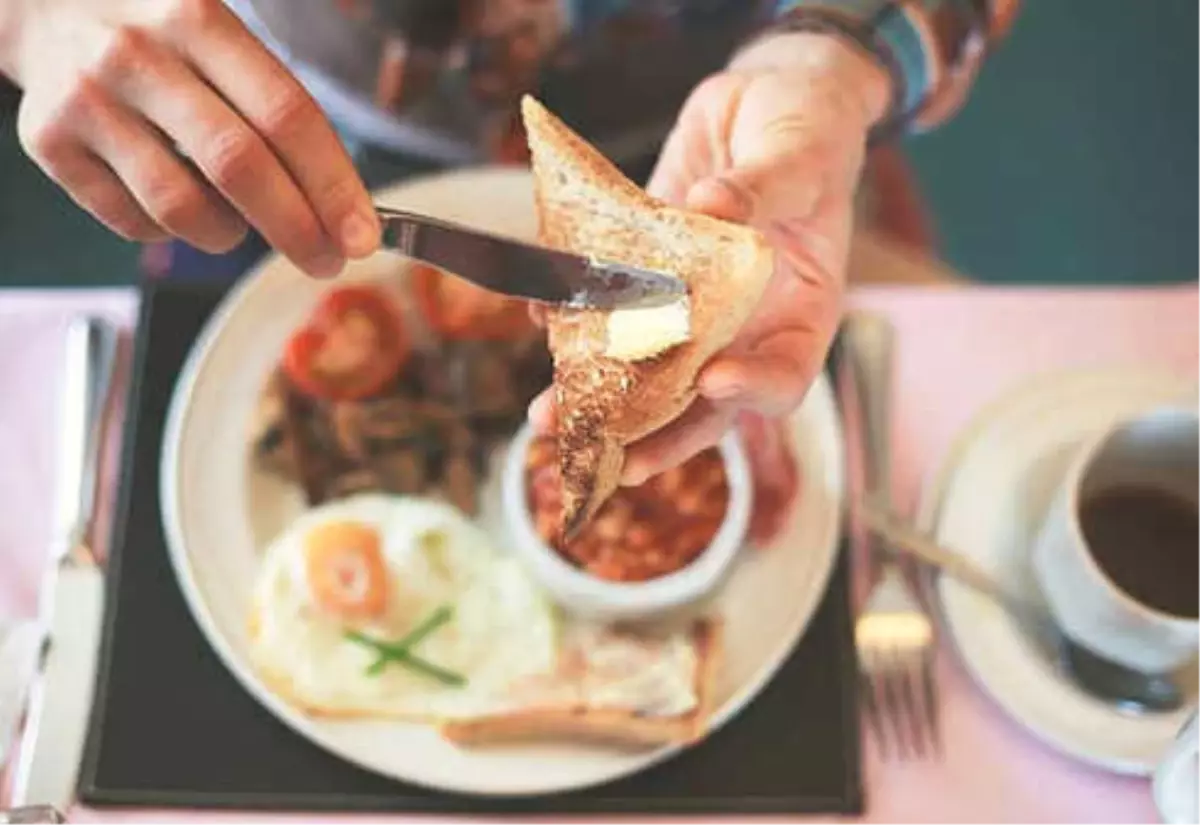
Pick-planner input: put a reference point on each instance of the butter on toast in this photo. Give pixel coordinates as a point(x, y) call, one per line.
point(610, 393)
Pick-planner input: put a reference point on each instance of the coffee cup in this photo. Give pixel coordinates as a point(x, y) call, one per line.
point(1117, 552)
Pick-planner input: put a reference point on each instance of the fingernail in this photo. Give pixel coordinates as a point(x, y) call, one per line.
point(741, 198)
point(721, 389)
point(360, 234)
point(539, 412)
point(722, 197)
point(634, 475)
point(327, 265)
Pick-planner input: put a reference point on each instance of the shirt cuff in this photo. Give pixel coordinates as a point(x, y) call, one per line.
point(931, 49)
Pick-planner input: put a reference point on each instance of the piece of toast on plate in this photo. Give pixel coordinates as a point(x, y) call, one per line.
point(634, 693)
point(619, 376)
point(607, 685)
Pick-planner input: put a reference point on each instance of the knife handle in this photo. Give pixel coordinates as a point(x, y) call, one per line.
point(90, 353)
point(31, 815)
point(20, 650)
point(869, 339)
point(60, 701)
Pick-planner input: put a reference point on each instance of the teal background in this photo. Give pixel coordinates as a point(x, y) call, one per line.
point(1076, 158)
point(1075, 161)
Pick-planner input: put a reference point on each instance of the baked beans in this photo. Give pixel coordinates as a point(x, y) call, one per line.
point(641, 532)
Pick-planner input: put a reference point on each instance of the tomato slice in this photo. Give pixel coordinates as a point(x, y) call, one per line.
point(353, 345)
point(459, 310)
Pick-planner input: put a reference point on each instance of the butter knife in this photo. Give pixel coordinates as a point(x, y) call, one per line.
point(524, 270)
point(71, 598)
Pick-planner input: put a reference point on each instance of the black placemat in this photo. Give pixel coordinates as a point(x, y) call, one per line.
point(172, 727)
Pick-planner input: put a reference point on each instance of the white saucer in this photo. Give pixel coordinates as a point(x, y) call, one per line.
point(987, 501)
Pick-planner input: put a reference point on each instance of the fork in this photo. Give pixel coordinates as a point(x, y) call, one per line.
point(893, 635)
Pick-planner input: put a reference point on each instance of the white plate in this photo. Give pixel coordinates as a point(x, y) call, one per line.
point(987, 501)
point(218, 512)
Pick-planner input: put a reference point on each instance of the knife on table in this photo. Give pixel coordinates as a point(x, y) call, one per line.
point(524, 270)
point(71, 597)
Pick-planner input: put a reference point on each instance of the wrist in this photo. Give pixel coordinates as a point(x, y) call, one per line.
point(829, 56)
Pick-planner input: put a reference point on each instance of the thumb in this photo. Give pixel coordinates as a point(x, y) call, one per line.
point(795, 187)
point(772, 187)
point(784, 157)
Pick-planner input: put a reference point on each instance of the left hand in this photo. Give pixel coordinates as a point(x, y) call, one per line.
point(775, 473)
point(777, 141)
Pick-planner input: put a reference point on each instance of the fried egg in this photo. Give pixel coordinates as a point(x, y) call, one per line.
point(372, 570)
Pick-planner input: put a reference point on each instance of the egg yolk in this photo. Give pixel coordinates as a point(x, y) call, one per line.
point(345, 570)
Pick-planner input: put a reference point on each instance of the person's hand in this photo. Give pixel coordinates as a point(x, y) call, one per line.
point(167, 117)
point(774, 470)
point(777, 141)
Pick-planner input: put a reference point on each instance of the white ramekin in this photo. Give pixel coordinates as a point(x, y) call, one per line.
point(587, 596)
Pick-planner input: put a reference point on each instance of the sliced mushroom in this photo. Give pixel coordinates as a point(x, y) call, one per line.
point(352, 482)
point(458, 436)
point(458, 368)
point(312, 422)
point(460, 484)
point(402, 471)
point(270, 435)
point(490, 384)
point(309, 440)
point(438, 413)
point(346, 420)
point(430, 375)
point(366, 428)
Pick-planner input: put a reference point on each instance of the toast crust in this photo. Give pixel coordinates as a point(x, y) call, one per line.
point(608, 725)
point(586, 205)
point(577, 723)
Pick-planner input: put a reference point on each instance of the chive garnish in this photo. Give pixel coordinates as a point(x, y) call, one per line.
point(401, 652)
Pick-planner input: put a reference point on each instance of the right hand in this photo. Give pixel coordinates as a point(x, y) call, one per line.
point(168, 118)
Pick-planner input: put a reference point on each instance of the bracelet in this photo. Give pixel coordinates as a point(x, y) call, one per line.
point(931, 57)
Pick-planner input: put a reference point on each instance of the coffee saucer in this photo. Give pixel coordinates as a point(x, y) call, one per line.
point(987, 502)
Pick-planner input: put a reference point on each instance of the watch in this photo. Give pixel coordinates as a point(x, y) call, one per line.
point(931, 49)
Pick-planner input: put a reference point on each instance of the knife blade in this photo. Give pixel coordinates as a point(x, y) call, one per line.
point(71, 597)
point(524, 270)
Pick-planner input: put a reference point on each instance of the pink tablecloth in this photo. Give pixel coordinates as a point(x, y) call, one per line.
point(958, 349)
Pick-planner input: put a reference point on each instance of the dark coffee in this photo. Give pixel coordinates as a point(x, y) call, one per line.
point(1148, 544)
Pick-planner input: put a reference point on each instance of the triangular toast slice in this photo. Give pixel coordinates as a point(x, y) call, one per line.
point(611, 392)
point(587, 712)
